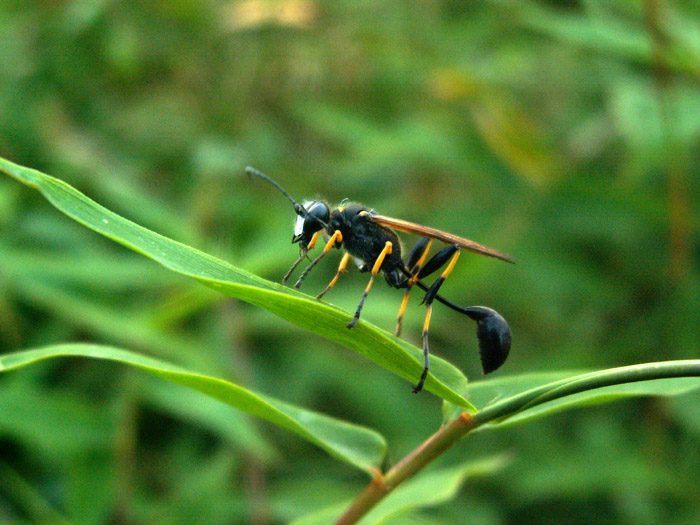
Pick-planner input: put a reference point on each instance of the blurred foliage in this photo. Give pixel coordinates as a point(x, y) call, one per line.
point(565, 133)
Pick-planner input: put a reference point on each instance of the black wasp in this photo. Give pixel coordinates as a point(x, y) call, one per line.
point(370, 239)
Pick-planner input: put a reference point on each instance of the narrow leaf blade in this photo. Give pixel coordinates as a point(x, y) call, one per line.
point(358, 446)
point(302, 310)
point(519, 399)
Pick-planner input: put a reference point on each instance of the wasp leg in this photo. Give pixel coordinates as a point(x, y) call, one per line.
point(417, 271)
point(337, 237)
point(418, 254)
point(402, 309)
point(302, 255)
point(415, 261)
point(429, 297)
point(341, 268)
point(375, 270)
point(438, 260)
point(492, 330)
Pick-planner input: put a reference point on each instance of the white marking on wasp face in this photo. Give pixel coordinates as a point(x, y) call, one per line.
point(298, 225)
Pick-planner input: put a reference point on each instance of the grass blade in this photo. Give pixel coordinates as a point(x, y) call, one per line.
point(358, 446)
point(302, 310)
point(533, 396)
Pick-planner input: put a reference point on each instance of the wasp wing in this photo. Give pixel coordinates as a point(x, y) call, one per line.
point(449, 238)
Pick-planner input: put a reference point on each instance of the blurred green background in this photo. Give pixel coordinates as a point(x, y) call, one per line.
point(564, 133)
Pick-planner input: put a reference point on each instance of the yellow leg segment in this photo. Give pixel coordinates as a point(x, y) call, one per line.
point(426, 324)
point(313, 241)
point(450, 266)
point(337, 237)
point(341, 268)
point(375, 270)
point(420, 262)
point(416, 268)
point(402, 309)
point(380, 260)
point(302, 256)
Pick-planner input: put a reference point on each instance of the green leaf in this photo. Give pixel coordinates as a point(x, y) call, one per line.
point(608, 36)
point(38, 508)
point(518, 399)
point(323, 319)
point(430, 489)
point(355, 445)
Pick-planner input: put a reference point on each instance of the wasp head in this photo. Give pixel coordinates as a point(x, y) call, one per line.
point(313, 218)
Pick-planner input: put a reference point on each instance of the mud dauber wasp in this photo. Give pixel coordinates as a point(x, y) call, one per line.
point(370, 239)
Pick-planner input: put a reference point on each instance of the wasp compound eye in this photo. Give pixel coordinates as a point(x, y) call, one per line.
point(493, 333)
point(317, 215)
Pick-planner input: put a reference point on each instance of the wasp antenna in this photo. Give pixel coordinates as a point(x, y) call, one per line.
point(298, 208)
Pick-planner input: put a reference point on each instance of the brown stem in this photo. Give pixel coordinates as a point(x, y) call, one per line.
point(382, 485)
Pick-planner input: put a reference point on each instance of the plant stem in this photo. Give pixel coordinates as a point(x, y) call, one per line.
point(381, 486)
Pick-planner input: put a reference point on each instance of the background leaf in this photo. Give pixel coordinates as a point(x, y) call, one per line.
point(284, 302)
point(359, 447)
point(562, 133)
